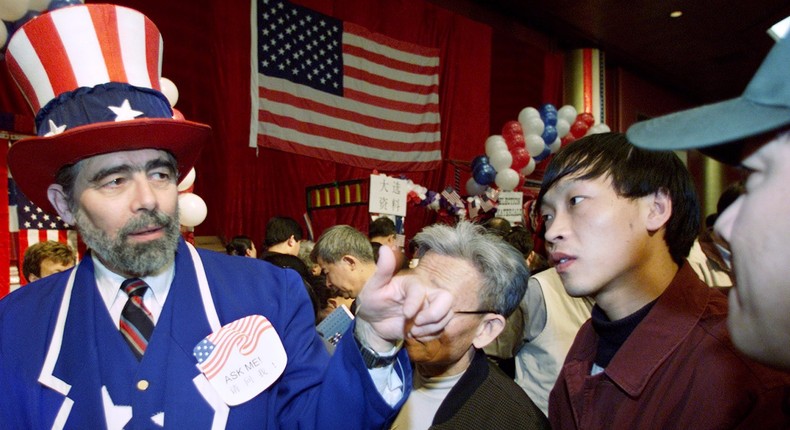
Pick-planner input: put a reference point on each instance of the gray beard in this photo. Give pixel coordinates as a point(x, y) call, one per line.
point(133, 259)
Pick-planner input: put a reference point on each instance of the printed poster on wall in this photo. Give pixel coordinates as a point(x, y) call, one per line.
point(510, 206)
point(387, 195)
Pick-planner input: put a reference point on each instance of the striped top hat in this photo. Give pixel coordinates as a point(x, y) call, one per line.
point(91, 72)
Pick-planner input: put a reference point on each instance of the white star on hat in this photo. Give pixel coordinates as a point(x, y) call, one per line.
point(124, 112)
point(55, 129)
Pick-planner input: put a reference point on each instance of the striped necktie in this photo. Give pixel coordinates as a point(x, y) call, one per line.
point(137, 324)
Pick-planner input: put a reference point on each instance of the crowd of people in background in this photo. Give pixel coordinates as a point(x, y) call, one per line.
point(536, 342)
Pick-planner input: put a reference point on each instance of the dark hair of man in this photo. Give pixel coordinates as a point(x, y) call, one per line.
point(239, 246)
point(381, 227)
point(521, 239)
point(50, 249)
point(375, 246)
point(498, 226)
point(634, 173)
point(279, 229)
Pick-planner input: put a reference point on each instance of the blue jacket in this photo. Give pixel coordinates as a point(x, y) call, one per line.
point(63, 363)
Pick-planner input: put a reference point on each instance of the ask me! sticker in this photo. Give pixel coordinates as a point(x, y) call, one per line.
point(242, 358)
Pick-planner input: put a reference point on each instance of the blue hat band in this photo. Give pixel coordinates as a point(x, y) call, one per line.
point(103, 103)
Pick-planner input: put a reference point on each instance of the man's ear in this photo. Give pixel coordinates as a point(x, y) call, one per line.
point(57, 197)
point(490, 327)
point(350, 260)
point(659, 210)
point(291, 241)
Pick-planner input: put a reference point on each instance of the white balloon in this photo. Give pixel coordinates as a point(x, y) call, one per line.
point(507, 180)
point(555, 146)
point(170, 90)
point(501, 160)
point(192, 209)
point(495, 144)
point(563, 127)
point(527, 113)
point(598, 128)
point(12, 10)
point(533, 126)
point(188, 180)
point(39, 5)
point(529, 168)
point(475, 189)
point(568, 113)
point(534, 145)
point(601, 128)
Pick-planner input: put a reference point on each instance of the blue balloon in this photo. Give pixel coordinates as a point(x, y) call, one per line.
point(549, 118)
point(57, 4)
point(484, 174)
point(480, 159)
point(548, 107)
point(546, 152)
point(549, 134)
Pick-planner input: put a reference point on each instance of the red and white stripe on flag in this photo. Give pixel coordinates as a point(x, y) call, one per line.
point(334, 90)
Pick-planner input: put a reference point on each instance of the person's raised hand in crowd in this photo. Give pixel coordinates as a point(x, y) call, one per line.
point(393, 307)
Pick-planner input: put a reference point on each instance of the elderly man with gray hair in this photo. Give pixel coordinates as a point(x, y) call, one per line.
point(454, 385)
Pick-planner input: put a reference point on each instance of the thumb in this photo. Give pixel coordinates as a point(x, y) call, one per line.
point(385, 267)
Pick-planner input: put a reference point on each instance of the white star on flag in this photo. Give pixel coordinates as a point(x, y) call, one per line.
point(124, 112)
point(55, 129)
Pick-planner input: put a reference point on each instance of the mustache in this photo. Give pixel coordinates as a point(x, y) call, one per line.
point(155, 218)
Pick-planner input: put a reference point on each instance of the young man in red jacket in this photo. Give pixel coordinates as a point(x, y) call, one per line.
point(619, 223)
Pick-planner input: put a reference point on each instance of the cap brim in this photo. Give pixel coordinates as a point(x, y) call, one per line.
point(721, 127)
point(35, 161)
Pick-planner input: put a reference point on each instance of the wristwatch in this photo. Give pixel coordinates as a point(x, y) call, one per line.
point(373, 359)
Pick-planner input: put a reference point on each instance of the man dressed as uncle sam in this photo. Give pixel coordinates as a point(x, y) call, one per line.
point(148, 332)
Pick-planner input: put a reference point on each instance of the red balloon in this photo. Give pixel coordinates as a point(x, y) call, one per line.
point(520, 158)
point(587, 118)
point(511, 132)
point(518, 141)
point(177, 114)
point(579, 129)
point(566, 140)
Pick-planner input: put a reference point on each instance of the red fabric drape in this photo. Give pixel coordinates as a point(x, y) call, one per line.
point(272, 183)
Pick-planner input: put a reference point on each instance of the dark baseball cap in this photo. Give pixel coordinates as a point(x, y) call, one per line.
point(726, 130)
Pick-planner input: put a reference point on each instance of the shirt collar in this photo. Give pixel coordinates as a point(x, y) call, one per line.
point(109, 282)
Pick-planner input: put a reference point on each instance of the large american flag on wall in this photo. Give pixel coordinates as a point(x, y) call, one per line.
point(336, 91)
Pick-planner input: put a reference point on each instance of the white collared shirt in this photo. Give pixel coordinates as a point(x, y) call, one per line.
point(114, 298)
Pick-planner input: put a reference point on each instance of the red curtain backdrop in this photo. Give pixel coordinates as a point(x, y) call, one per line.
point(207, 56)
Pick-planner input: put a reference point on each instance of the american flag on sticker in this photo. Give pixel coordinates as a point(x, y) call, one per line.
point(213, 352)
point(334, 90)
